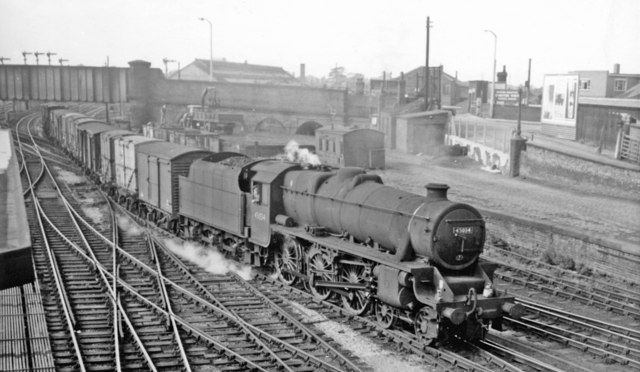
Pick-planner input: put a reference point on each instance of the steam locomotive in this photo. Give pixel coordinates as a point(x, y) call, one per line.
point(413, 260)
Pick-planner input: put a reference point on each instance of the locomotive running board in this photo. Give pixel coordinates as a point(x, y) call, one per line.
point(347, 247)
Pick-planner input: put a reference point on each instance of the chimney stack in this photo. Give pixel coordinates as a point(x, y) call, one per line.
point(616, 68)
point(436, 192)
point(302, 72)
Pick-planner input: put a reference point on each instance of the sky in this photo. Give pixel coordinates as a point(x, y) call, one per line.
point(363, 36)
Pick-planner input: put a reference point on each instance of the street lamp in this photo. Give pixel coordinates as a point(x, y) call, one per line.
point(210, 47)
point(493, 84)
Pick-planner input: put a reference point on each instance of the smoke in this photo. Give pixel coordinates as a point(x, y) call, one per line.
point(129, 227)
point(294, 153)
point(208, 258)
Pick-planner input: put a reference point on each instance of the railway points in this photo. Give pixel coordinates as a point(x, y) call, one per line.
point(176, 350)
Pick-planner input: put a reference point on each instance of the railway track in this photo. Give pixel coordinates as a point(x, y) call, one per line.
point(166, 326)
point(600, 339)
point(611, 301)
point(584, 285)
point(138, 306)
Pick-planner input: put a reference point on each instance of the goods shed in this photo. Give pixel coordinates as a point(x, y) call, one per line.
point(344, 147)
point(422, 132)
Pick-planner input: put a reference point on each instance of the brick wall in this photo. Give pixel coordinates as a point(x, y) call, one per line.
point(589, 176)
point(536, 239)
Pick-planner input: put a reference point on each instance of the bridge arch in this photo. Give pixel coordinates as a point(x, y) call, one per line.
point(271, 125)
point(308, 128)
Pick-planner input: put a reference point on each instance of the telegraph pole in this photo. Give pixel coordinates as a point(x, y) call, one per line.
point(528, 84)
point(426, 70)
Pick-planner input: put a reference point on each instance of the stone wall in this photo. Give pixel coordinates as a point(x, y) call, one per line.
point(535, 239)
point(559, 168)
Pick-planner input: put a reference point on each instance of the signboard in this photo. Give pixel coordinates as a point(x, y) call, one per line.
point(560, 100)
point(507, 97)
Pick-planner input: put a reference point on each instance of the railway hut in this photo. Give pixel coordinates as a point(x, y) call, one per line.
point(159, 165)
point(16, 266)
point(343, 147)
point(89, 145)
point(421, 132)
point(108, 154)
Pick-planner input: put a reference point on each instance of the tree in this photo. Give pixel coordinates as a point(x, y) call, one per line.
point(337, 78)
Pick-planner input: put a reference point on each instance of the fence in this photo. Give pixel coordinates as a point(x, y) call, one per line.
point(630, 149)
point(478, 132)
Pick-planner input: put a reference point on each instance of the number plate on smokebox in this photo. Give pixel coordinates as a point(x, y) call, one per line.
point(465, 230)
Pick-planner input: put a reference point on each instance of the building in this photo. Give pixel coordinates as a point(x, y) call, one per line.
point(234, 72)
point(608, 85)
point(419, 133)
point(443, 88)
point(589, 106)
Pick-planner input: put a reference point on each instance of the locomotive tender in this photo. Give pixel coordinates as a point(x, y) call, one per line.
point(408, 258)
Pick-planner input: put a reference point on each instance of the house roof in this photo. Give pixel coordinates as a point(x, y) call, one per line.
point(241, 72)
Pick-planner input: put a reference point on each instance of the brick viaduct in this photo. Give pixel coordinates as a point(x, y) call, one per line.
point(144, 90)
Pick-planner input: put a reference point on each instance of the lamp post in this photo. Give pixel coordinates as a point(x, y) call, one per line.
point(210, 47)
point(493, 81)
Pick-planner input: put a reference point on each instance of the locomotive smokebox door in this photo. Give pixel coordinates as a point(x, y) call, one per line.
point(260, 195)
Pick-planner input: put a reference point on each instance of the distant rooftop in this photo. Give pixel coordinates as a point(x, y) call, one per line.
point(224, 71)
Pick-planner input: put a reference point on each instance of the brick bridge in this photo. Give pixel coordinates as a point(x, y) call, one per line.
point(144, 90)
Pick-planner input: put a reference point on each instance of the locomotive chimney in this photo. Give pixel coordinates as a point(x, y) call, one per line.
point(436, 192)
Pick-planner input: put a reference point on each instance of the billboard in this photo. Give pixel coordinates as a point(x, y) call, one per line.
point(507, 97)
point(560, 100)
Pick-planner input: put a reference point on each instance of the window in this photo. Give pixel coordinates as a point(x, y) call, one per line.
point(585, 84)
point(620, 85)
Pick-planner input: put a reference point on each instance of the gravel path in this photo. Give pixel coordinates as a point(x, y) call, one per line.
point(598, 215)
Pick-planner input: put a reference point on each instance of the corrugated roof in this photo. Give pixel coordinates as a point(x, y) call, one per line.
point(613, 102)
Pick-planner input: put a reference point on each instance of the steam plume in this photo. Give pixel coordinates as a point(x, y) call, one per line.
point(208, 258)
point(303, 156)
